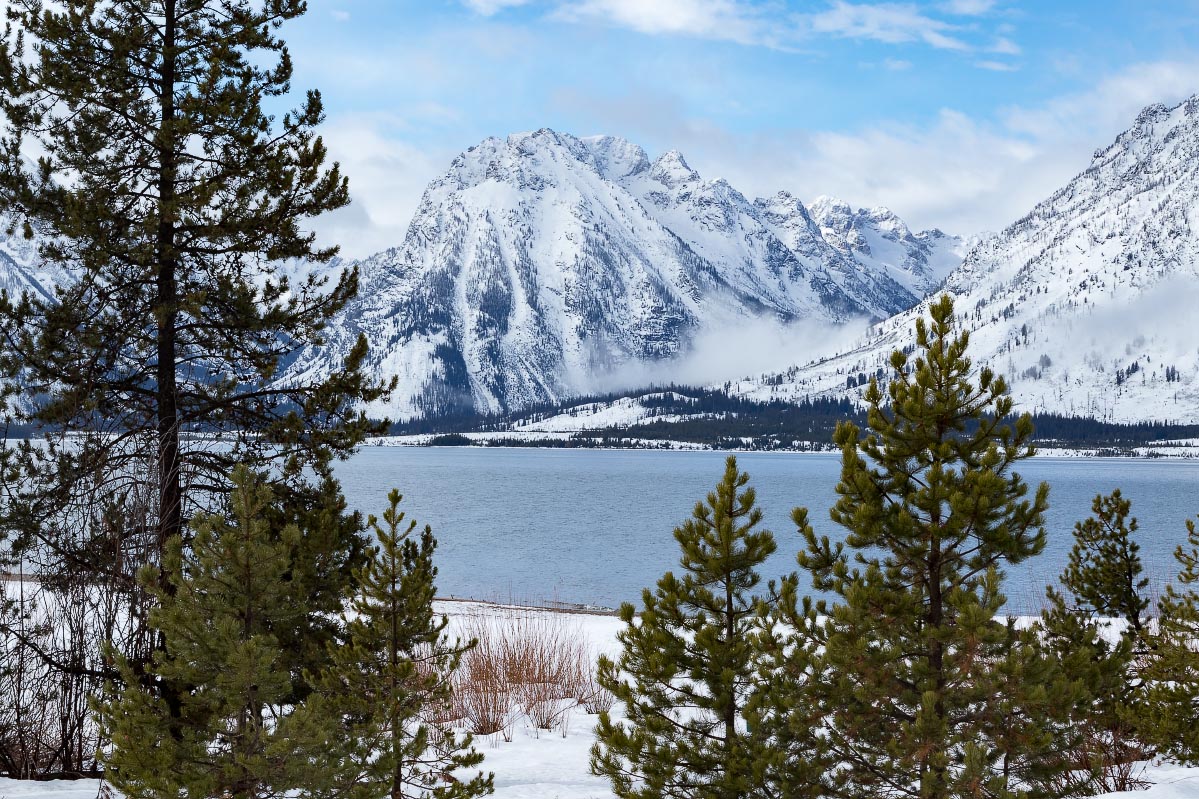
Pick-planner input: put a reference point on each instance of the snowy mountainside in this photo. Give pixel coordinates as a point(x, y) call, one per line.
point(881, 243)
point(620, 413)
point(544, 266)
point(22, 270)
point(1085, 304)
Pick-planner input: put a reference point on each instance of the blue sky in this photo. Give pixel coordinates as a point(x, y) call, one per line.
point(959, 114)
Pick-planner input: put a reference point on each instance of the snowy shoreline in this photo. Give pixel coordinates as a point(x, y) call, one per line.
point(539, 764)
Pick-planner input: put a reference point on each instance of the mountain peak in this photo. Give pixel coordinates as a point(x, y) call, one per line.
point(825, 207)
point(1153, 127)
point(548, 135)
point(543, 265)
point(616, 157)
point(671, 169)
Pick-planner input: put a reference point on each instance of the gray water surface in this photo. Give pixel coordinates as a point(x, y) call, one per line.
point(594, 526)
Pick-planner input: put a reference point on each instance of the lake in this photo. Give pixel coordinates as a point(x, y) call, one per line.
point(594, 526)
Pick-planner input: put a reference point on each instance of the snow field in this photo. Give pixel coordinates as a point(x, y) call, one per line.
point(543, 764)
point(540, 764)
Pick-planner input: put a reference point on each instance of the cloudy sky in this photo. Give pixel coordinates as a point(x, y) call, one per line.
point(958, 114)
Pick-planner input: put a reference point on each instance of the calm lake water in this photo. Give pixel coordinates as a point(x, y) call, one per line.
point(594, 526)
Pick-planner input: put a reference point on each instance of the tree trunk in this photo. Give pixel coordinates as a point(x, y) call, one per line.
point(936, 653)
point(170, 500)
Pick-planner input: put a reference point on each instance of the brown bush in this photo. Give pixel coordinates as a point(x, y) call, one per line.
point(525, 662)
point(483, 692)
point(50, 655)
point(592, 696)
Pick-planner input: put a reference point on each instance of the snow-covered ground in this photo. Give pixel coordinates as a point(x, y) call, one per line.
point(533, 438)
point(553, 767)
point(537, 764)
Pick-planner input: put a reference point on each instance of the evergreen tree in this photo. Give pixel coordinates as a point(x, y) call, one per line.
point(1172, 705)
point(223, 600)
point(793, 761)
point(687, 663)
point(394, 672)
point(165, 196)
point(1102, 580)
point(920, 690)
point(1103, 574)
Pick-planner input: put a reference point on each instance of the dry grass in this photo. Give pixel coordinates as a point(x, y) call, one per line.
point(525, 663)
point(592, 696)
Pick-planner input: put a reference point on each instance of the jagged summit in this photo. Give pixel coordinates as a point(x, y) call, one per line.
point(671, 169)
point(616, 158)
point(542, 265)
point(1085, 302)
point(880, 241)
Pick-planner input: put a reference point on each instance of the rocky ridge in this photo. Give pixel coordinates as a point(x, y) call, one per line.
point(543, 266)
point(1085, 303)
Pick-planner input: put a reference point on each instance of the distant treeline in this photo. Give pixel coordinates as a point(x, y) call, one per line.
point(1082, 430)
point(725, 421)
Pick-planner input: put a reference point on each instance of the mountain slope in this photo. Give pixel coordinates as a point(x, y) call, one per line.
point(880, 242)
point(543, 266)
point(21, 270)
point(1085, 303)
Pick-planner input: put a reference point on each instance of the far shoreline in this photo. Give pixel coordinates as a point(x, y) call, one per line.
point(484, 441)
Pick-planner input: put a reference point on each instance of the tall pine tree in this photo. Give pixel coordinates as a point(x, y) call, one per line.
point(223, 599)
point(1103, 573)
point(1172, 706)
point(688, 661)
point(392, 675)
point(920, 690)
point(1103, 581)
point(793, 760)
point(165, 196)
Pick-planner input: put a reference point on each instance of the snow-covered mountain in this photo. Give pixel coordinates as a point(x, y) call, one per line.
point(1087, 304)
point(541, 266)
point(881, 243)
point(21, 270)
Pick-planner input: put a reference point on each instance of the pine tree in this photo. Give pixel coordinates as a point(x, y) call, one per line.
point(688, 660)
point(1102, 580)
point(393, 673)
point(1172, 702)
point(919, 689)
point(1103, 574)
point(225, 596)
point(793, 760)
point(166, 196)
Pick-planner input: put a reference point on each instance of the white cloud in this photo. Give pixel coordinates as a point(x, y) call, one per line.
point(961, 174)
point(491, 7)
point(896, 64)
point(387, 178)
point(1005, 46)
point(771, 24)
point(967, 8)
point(893, 23)
point(340, 16)
point(751, 346)
point(711, 19)
point(996, 66)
